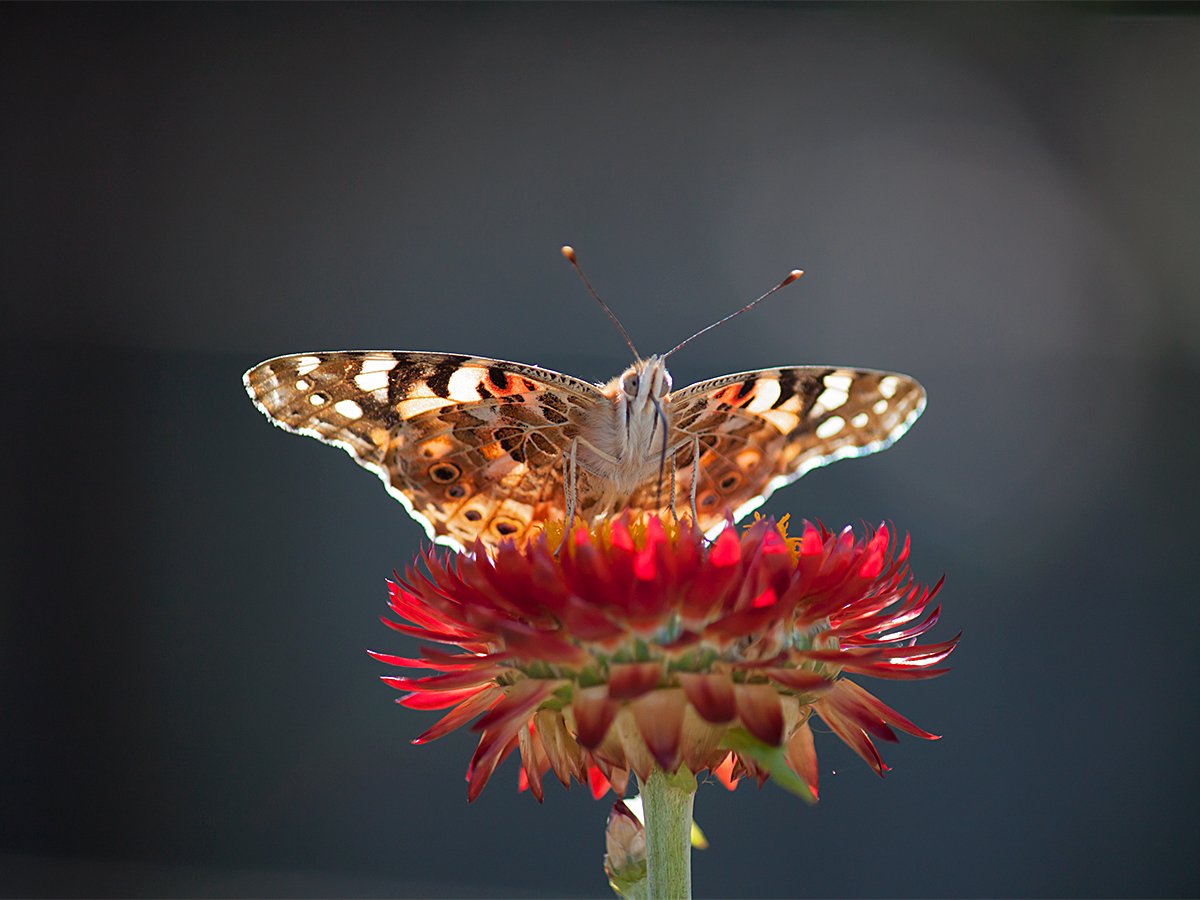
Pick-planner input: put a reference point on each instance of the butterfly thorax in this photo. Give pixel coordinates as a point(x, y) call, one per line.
point(622, 440)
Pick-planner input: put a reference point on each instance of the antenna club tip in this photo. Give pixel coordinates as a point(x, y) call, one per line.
point(568, 252)
point(793, 275)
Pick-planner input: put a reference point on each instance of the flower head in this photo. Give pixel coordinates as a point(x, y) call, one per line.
point(642, 644)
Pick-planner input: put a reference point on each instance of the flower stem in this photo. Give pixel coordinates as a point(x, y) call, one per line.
point(667, 808)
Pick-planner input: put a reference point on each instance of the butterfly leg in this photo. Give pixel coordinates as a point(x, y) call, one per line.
point(674, 513)
point(695, 478)
point(569, 492)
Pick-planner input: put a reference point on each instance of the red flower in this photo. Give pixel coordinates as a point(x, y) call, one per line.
point(643, 644)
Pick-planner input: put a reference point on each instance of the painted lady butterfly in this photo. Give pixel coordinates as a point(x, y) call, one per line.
point(484, 449)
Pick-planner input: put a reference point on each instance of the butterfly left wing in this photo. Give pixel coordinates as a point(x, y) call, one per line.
point(471, 447)
point(757, 431)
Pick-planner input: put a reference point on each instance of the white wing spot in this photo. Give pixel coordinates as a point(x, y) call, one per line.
point(349, 409)
point(784, 421)
point(374, 380)
point(302, 385)
point(860, 421)
point(377, 364)
point(464, 383)
point(418, 405)
point(839, 381)
point(318, 399)
point(306, 364)
point(766, 392)
point(832, 397)
point(888, 385)
point(880, 407)
point(830, 427)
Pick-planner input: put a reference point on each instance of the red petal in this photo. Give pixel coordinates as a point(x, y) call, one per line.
point(483, 764)
point(531, 761)
point(440, 637)
point(460, 715)
point(562, 751)
point(644, 564)
point(801, 756)
point(724, 773)
point(853, 736)
point(726, 549)
point(760, 711)
point(619, 536)
point(850, 693)
point(772, 542)
point(452, 681)
point(659, 718)
point(594, 714)
point(410, 663)
point(619, 778)
point(440, 700)
point(811, 543)
point(519, 702)
point(629, 680)
point(711, 695)
point(597, 783)
point(765, 599)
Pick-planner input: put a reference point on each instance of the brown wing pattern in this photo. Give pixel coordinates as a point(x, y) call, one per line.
point(471, 446)
point(758, 431)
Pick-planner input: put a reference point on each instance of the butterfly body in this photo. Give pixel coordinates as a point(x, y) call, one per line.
point(478, 448)
point(621, 441)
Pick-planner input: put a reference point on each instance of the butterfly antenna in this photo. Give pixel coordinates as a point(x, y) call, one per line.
point(569, 253)
point(792, 276)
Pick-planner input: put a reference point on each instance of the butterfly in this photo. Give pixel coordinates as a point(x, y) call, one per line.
point(488, 450)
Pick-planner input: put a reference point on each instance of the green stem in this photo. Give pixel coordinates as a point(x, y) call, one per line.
point(667, 808)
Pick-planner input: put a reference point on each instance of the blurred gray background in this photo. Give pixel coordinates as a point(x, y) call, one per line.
point(1003, 201)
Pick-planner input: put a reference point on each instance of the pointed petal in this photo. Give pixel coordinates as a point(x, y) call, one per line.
point(483, 764)
point(629, 680)
point(441, 699)
point(851, 734)
point(532, 761)
point(520, 700)
point(597, 783)
point(594, 713)
point(801, 756)
point(711, 695)
point(760, 711)
point(562, 752)
point(460, 715)
point(724, 773)
point(881, 710)
point(451, 681)
point(659, 718)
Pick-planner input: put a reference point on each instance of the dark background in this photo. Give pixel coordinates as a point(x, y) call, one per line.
point(1003, 201)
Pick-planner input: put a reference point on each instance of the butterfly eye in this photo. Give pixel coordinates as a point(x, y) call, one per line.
point(630, 384)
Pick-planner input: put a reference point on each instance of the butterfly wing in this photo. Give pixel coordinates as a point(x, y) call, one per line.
point(757, 431)
point(472, 447)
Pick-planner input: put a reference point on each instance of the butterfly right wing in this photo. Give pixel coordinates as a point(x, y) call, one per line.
point(472, 447)
point(758, 431)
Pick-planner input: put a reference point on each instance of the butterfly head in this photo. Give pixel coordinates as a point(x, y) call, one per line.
point(644, 384)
